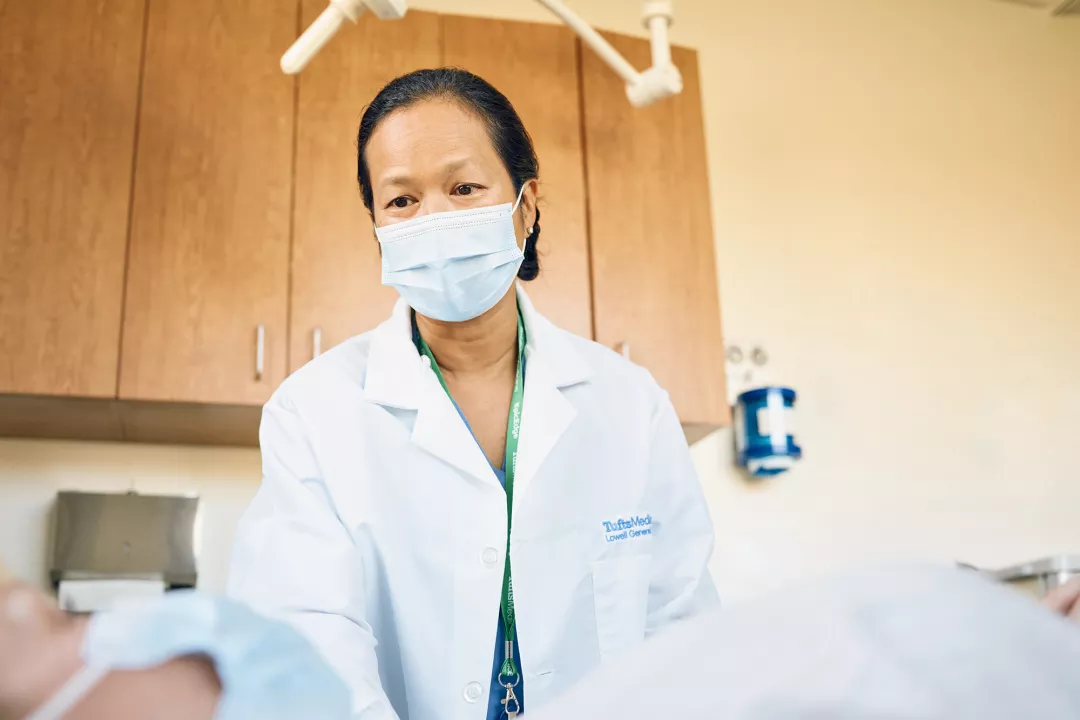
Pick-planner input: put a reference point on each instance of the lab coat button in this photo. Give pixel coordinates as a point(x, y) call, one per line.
point(489, 557)
point(473, 691)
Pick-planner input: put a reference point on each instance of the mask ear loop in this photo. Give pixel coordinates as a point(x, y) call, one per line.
point(518, 201)
point(528, 231)
point(70, 693)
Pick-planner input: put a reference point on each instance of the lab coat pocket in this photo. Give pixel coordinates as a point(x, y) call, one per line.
point(620, 595)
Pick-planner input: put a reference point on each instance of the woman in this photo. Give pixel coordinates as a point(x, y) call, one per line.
point(467, 508)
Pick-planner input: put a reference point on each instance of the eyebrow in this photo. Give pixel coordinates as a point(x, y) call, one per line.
point(450, 167)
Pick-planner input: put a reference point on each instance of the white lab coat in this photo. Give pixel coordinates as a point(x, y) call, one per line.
point(380, 529)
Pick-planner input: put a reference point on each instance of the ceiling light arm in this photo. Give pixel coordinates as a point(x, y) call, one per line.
point(329, 22)
point(643, 88)
point(659, 81)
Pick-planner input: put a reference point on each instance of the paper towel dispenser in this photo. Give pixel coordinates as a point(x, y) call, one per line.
point(124, 537)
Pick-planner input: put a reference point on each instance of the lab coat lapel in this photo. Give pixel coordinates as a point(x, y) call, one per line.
point(397, 377)
point(440, 430)
point(545, 417)
point(552, 363)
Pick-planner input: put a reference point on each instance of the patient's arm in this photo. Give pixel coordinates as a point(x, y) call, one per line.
point(40, 651)
point(178, 690)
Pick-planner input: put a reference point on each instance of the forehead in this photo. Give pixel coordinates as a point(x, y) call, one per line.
point(425, 133)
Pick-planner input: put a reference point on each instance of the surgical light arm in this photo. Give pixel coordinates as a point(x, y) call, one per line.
point(643, 88)
point(329, 22)
point(659, 81)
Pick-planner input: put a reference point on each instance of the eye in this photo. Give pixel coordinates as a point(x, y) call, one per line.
point(466, 189)
point(402, 201)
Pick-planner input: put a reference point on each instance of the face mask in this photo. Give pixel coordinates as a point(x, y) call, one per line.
point(267, 669)
point(452, 266)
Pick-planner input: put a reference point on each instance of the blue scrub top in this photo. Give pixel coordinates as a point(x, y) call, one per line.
point(498, 692)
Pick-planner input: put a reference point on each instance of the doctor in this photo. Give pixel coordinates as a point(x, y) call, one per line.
point(467, 508)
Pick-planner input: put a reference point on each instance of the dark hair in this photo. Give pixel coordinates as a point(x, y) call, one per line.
point(507, 133)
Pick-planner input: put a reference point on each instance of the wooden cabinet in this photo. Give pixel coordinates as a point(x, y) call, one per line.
point(69, 83)
point(337, 288)
point(536, 67)
point(209, 251)
point(654, 271)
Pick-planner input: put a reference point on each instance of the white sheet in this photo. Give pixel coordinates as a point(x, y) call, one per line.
point(905, 643)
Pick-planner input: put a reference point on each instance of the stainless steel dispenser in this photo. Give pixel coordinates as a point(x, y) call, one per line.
point(106, 546)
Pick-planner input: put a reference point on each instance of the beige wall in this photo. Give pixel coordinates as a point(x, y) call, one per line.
point(32, 471)
point(897, 215)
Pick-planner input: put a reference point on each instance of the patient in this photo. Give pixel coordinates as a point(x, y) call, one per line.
point(905, 644)
point(39, 652)
point(184, 656)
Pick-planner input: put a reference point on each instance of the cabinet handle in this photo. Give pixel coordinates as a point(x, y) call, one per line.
point(624, 349)
point(260, 351)
point(316, 343)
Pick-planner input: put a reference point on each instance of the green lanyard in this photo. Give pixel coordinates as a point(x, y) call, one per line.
point(513, 429)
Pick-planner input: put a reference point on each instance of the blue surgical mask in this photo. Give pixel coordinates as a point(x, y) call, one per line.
point(268, 671)
point(452, 266)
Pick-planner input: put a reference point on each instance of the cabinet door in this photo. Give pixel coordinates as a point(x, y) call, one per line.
point(654, 272)
point(69, 80)
point(337, 287)
point(209, 252)
point(536, 67)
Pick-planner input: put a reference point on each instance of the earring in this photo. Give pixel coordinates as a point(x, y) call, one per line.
point(528, 232)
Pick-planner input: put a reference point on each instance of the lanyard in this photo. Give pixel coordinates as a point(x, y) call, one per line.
point(513, 428)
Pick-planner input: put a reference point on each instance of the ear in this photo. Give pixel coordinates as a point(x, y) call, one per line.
point(528, 204)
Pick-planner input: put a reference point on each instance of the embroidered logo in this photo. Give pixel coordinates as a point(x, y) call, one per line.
point(624, 529)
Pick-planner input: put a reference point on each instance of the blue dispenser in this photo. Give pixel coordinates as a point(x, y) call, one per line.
point(765, 430)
